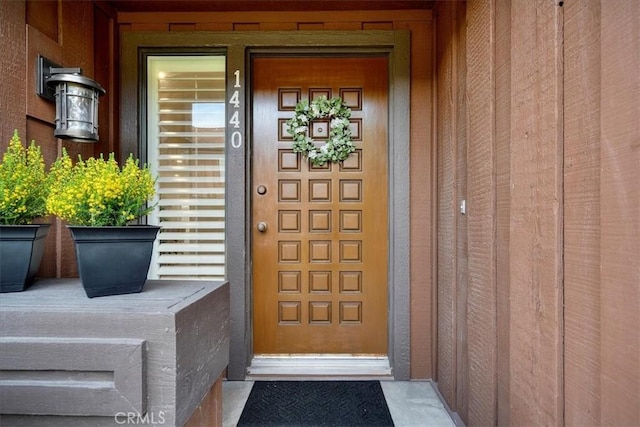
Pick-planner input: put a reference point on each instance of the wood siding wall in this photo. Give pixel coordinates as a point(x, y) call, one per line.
point(582, 211)
point(538, 310)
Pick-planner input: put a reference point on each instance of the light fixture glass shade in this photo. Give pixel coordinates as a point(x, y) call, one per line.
point(76, 107)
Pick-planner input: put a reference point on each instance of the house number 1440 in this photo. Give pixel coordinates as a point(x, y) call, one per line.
point(234, 101)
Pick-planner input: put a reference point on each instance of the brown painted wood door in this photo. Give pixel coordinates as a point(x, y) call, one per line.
point(320, 267)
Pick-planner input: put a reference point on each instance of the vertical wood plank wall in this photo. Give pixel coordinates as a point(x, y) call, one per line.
point(620, 213)
point(543, 308)
point(582, 212)
point(481, 199)
point(501, 33)
point(461, 236)
point(535, 245)
point(446, 234)
point(13, 89)
point(421, 195)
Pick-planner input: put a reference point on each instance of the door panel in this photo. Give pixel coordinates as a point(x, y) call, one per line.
point(320, 265)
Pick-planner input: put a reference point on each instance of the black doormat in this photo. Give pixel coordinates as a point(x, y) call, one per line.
point(316, 403)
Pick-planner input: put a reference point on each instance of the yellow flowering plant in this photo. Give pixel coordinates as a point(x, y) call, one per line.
point(98, 192)
point(24, 183)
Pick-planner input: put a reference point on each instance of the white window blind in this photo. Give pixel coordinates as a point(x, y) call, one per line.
point(186, 140)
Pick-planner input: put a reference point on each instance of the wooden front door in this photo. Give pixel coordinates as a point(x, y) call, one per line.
point(320, 262)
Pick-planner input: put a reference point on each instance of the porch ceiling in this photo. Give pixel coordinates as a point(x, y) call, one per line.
point(264, 5)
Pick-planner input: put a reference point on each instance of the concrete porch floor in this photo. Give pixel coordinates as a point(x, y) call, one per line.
point(411, 403)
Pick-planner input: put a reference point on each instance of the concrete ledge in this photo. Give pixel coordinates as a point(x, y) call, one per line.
point(69, 360)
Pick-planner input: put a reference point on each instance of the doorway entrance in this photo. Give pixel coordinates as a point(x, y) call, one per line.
point(394, 49)
point(320, 233)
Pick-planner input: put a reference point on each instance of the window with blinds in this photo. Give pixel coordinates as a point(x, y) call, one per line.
point(186, 141)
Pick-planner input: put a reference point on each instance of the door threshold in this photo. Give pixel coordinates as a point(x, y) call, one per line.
point(319, 367)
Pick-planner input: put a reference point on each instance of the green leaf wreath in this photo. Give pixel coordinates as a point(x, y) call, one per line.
point(338, 145)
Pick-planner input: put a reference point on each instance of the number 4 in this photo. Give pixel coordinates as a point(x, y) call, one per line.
point(235, 119)
point(235, 99)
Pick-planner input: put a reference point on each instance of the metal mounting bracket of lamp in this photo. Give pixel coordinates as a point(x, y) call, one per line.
point(76, 97)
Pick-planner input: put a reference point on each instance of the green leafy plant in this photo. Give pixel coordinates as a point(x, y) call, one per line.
point(338, 145)
point(98, 192)
point(24, 183)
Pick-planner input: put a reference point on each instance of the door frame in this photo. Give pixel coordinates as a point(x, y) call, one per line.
point(240, 47)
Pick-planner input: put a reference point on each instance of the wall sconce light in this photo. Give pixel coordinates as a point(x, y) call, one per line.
point(76, 98)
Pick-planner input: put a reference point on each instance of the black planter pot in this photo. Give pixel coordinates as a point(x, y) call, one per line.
point(21, 249)
point(113, 260)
